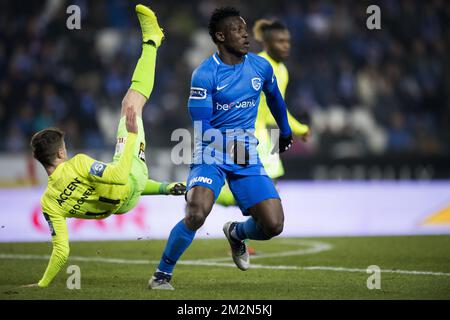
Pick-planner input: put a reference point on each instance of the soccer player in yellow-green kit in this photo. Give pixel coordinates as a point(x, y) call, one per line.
point(82, 187)
point(276, 41)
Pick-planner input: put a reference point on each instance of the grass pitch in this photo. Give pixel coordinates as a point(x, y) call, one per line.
point(286, 268)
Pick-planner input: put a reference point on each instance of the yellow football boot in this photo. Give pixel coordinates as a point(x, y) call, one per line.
point(151, 31)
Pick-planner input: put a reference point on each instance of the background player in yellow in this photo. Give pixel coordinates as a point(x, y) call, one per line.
point(82, 187)
point(276, 41)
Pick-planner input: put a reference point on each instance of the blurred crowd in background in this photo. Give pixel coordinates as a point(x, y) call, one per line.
point(364, 92)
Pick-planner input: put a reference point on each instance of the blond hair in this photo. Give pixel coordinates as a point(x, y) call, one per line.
point(262, 26)
point(258, 28)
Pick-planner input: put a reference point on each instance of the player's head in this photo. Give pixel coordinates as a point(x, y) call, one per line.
point(275, 38)
point(229, 30)
point(48, 146)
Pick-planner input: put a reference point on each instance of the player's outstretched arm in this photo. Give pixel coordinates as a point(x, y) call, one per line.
point(298, 128)
point(60, 253)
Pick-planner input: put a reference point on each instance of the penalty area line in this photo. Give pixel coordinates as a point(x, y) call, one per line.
point(218, 264)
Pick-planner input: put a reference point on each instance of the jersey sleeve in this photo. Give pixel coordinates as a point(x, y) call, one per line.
point(298, 128)
point(201, 89)
point(200, 102)
point(275, 100)
point(270, 80)
point(110, 173)
point(60, 252)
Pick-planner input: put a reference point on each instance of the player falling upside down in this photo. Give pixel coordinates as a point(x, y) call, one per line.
point(276, 41)
point(225, 93)
point(82, 187)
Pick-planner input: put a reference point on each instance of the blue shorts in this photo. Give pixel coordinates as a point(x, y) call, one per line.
point(248, 190)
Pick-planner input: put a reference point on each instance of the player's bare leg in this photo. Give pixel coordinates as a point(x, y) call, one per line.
point(135, 100)
point(269, 215)
point(200, 201)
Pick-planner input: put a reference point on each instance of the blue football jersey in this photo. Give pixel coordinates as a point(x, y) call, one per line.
point(233, 93)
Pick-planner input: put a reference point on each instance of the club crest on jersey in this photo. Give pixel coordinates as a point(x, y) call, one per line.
point(256, 83)
point(197, 93)
point(97, 169)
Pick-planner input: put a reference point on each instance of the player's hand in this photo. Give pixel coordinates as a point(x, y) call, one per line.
point(33, 285)
point(176, 189)
point(130, 119)
point(284, 143)
point(305, 137)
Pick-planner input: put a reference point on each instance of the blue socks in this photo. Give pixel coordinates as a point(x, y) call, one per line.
point(249, 230)
point(179, 240)
point(181, 237)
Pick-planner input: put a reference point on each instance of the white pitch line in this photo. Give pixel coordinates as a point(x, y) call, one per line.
point(314, 247)
point(76, 258)
point(219, 264)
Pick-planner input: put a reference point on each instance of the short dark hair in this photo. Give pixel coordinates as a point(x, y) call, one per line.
point(217, 16)
point(45, 145)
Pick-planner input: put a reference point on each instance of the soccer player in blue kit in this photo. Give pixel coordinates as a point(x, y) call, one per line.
point(224, 97)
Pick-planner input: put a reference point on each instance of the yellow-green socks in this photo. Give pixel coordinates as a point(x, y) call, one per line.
point(153, 187)
point(144, 73)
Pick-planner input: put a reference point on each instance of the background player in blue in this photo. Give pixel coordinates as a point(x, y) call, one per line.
point(224, 96)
